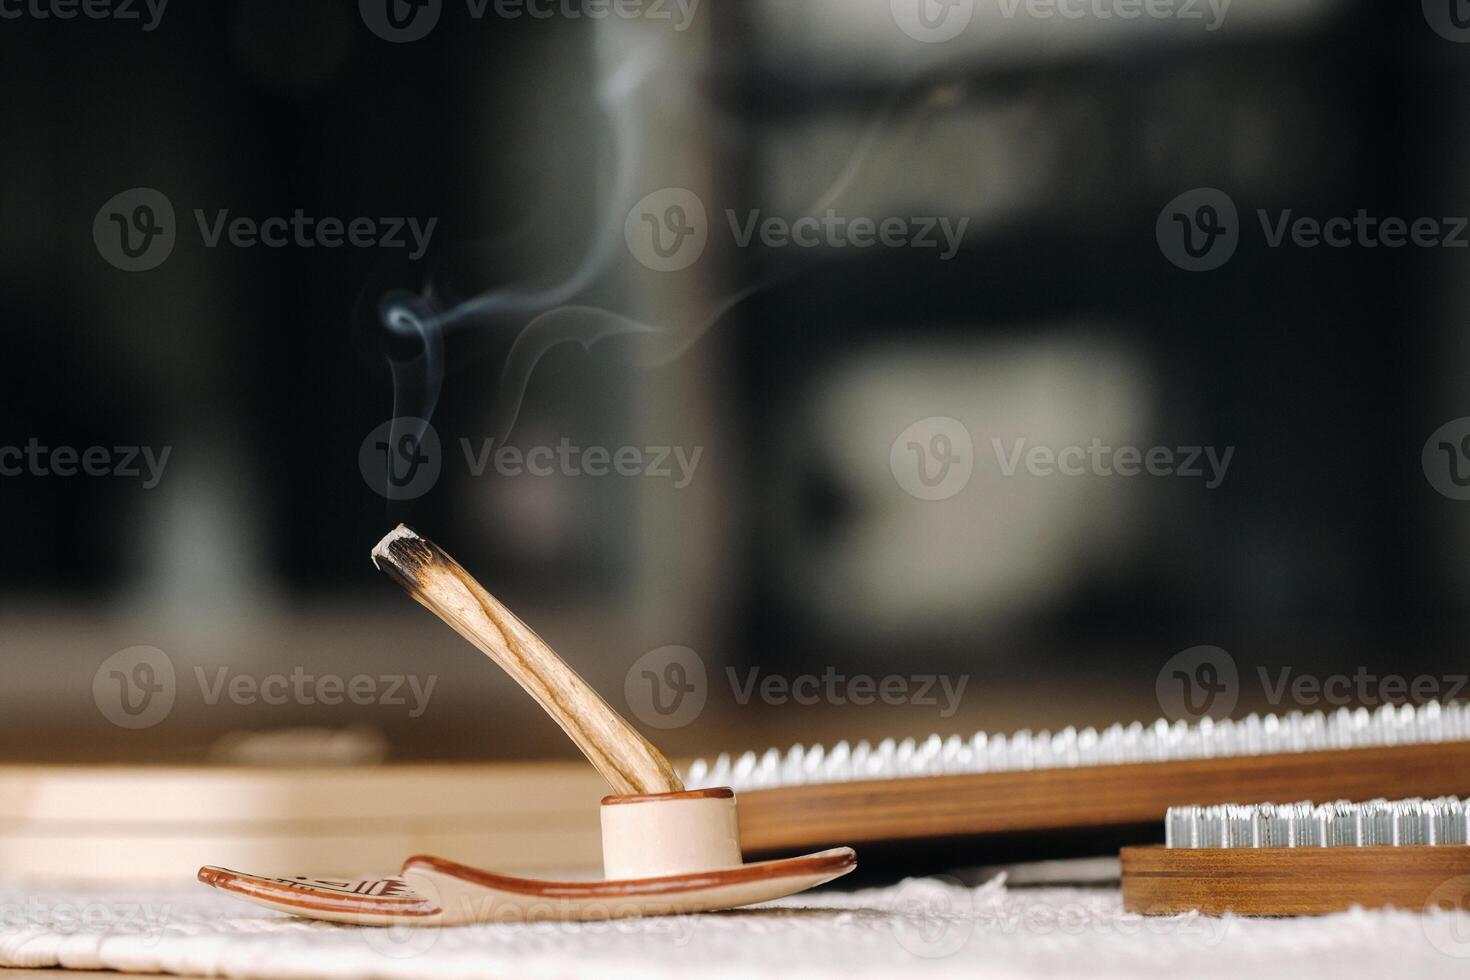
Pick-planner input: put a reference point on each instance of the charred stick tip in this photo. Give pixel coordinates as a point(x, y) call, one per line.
point(403, 555)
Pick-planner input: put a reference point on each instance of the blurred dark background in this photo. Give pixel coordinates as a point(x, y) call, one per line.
point(794, 548)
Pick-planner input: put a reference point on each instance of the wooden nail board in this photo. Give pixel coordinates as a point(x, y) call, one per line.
point(1085, 797)
point(1293, 881)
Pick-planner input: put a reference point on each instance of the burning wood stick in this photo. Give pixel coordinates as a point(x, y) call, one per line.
point(626, 760)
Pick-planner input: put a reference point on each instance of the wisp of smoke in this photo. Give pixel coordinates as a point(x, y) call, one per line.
point(415, 327)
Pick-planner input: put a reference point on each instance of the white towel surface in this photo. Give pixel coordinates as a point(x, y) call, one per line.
point(927, 927)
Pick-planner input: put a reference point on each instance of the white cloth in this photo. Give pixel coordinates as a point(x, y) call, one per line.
point(922, 927)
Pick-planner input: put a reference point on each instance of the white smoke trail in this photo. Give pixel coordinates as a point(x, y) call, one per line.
point(412, 321)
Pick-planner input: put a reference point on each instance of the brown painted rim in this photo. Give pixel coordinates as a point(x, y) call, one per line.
point(831, 864)
point(717, 793)
point(315, 899)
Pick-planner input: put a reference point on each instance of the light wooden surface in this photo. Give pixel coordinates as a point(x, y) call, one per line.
point(87, 975)
point(160, 824)
point(1293, 881)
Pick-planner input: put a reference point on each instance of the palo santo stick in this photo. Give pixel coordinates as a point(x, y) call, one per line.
point(626, 760)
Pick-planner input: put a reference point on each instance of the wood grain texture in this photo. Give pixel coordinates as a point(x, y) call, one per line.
point(1086, 797)
point(628, 762)
point(1293, 881)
